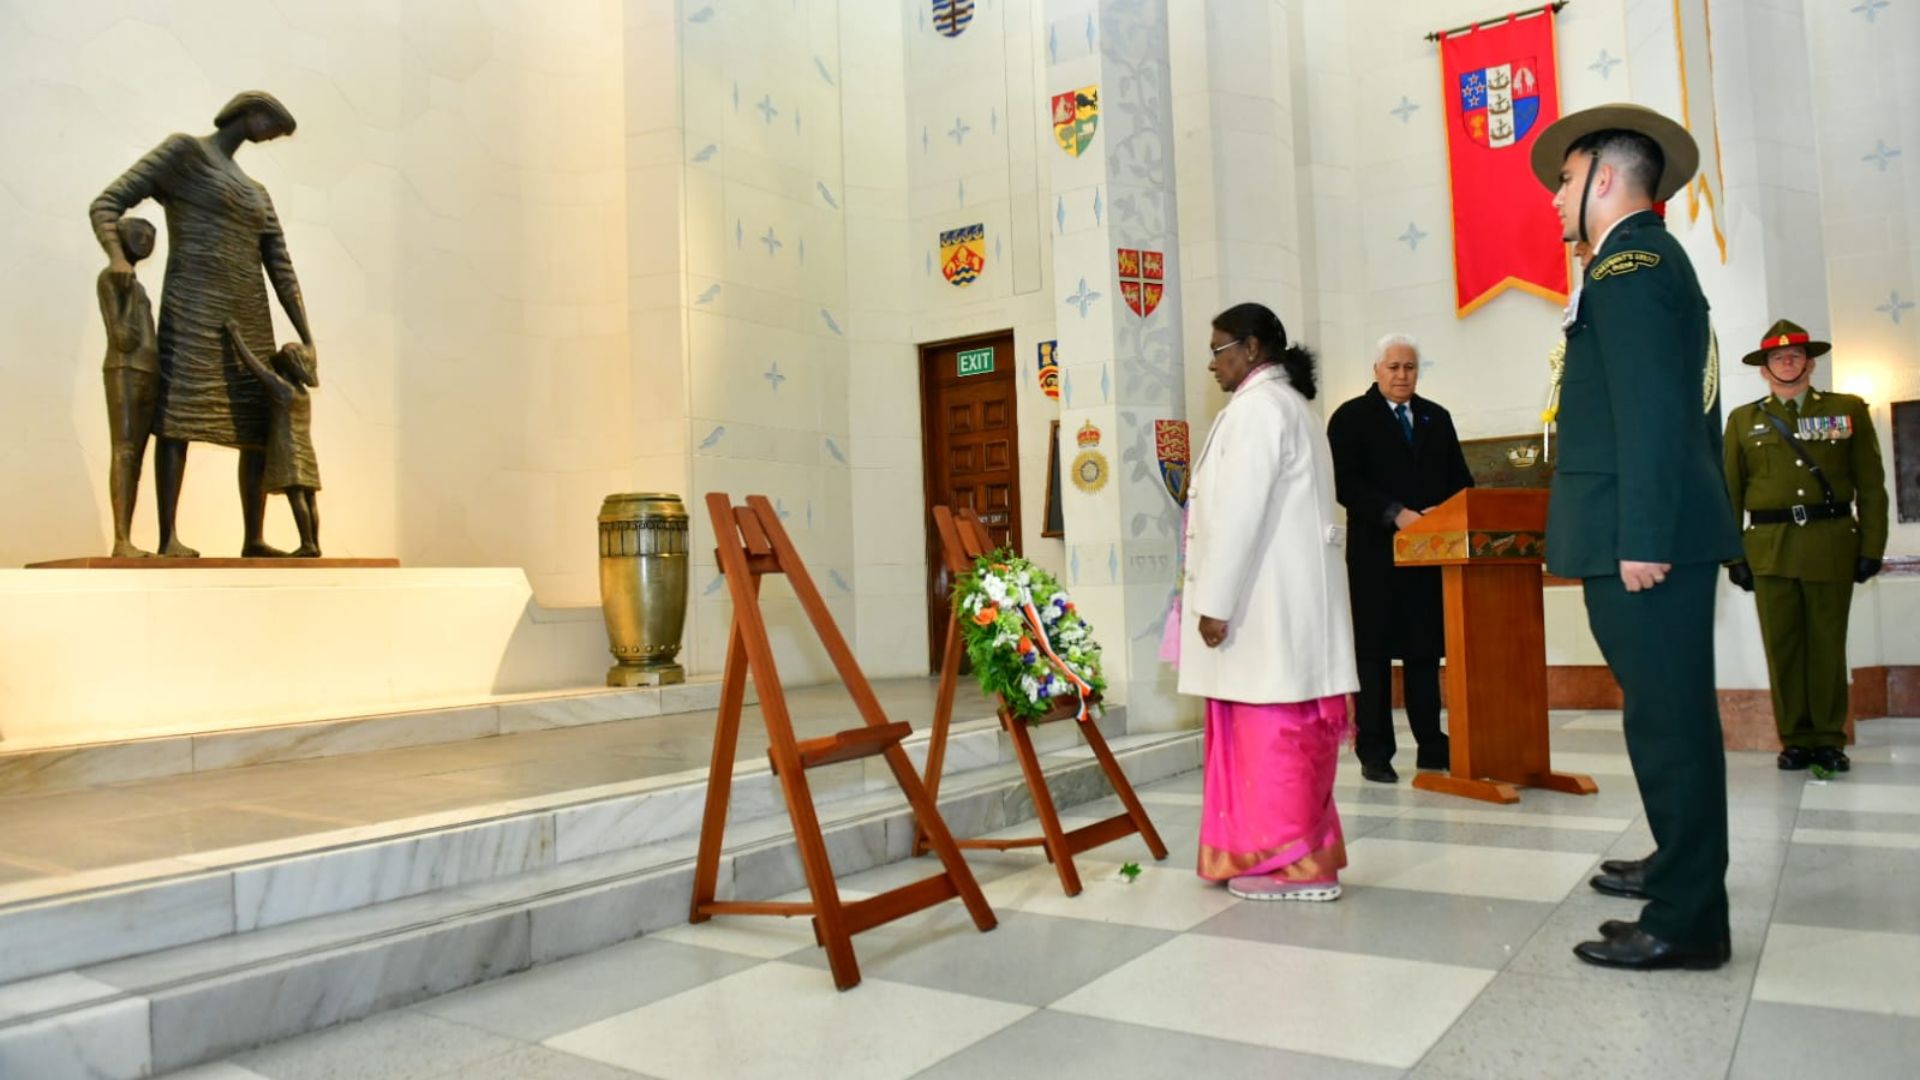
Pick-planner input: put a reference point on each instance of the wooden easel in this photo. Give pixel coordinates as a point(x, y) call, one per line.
point(750, 543)
point(963, 539)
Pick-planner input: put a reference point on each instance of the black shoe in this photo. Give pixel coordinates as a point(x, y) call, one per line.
point(1438, 758)
point(1631, 886)
point(1794, 758)
point(1621, 867)
point(1614, 928)
point(1379, 774)
point(1833, 759)
point(1637, 950)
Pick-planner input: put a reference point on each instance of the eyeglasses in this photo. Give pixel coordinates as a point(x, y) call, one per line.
point(1223, 348)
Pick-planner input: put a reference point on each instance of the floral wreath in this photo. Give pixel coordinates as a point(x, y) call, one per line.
point(1027, 641)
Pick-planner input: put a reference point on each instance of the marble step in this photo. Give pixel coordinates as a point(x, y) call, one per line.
point(38, 769)
point(182, 1006)
point(65, 923)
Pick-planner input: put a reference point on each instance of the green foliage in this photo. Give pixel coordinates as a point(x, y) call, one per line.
point(1002, 642)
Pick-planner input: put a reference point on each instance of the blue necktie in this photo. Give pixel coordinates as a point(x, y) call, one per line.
point(1406, 422)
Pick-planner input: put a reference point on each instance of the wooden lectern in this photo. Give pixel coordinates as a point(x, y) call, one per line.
point(1489, 543)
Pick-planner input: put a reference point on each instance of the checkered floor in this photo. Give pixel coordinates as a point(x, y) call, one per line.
point(1448, 957)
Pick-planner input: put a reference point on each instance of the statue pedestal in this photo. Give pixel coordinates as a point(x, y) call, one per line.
point(100, 655)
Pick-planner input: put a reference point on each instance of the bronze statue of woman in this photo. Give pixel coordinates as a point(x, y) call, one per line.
point(221, 233)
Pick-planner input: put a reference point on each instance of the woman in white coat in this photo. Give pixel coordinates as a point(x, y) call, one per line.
point(1266, 633)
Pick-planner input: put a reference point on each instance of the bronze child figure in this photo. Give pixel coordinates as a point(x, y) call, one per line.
point(132, 375)
point(290, 465)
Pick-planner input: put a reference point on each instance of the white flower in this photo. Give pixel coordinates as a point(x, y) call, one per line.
point(995, 589)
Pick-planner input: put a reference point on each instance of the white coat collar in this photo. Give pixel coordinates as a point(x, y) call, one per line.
point(1258, 377)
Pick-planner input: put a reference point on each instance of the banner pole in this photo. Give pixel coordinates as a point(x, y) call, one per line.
point(1555, 6)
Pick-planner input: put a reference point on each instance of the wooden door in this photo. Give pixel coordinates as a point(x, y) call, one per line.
point(972, 452)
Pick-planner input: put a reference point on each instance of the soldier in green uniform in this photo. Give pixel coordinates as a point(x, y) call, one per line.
point(1636, 514)
point(1798, 461)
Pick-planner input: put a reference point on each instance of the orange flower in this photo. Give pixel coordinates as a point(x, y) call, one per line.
point(986, 615)
point(1026, 645)
point(1001, 566)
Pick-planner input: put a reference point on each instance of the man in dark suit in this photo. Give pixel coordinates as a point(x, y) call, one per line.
point(1395, 457)
point(1639, 514)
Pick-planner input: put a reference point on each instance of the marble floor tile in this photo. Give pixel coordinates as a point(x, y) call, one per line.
point(569, 994)
point(986, 866)
point(1788, 1042)
point(1864, 970)
point(1062, 1046)
point(1027, 959)
point(1595, 722)
point(1159, 899)
point(1862, 798)
point(1898, 841)
point(1501, 873)
point(536, 1063)
point(1532, 837)
point(1853, 888)
point(210, 828)
point(1594, 764)
point(1521, 817)
point(1538, 1026)
point(779, 1021)
point(1284, 997)
point(219, 1070)
point(1466, 931)
point(762, 937)
point(391, 1046)
point(1859, 822)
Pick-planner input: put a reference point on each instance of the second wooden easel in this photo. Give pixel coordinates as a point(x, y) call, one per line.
point(751, 543)
point(964, 539)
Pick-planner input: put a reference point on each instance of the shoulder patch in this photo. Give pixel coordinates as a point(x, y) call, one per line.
point(1623, 262)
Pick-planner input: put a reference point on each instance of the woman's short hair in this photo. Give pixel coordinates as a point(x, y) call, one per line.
point(249, 100)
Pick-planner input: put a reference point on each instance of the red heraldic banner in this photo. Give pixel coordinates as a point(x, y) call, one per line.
point(1501, 89)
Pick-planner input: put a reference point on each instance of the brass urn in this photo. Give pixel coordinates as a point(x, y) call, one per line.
point(643, 586)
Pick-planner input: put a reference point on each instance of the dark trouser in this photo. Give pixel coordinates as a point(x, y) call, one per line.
point(1804, 626)
point(1659, 643)
point(1373, 741)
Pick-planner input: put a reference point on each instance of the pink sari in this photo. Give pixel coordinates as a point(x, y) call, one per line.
point(1267, 806)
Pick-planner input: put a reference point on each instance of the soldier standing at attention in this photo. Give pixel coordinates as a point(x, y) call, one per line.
point(1798, 460)
point(1636, 513)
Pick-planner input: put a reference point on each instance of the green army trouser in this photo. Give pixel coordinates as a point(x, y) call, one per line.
point(1659, 643)
point(1804, 626)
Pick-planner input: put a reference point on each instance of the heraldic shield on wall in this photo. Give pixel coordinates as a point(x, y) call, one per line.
point(1050, 369)
point(1170, 448)
point(963, 254)
point(1142, 279)
point(1076, 114)
point(952, 17)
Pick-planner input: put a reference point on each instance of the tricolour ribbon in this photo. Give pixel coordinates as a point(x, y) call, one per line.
point(1081, 687)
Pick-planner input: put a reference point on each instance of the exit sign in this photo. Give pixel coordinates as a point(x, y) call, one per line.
point(975, 362)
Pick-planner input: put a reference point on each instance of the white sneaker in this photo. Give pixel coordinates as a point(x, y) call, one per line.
point(1262, 887)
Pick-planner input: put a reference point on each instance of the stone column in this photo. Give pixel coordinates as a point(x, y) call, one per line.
point(1120, 338)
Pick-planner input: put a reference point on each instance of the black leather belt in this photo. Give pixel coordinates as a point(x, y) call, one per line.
point(1800, 515)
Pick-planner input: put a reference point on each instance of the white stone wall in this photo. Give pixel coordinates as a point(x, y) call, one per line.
point(1866, 158)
